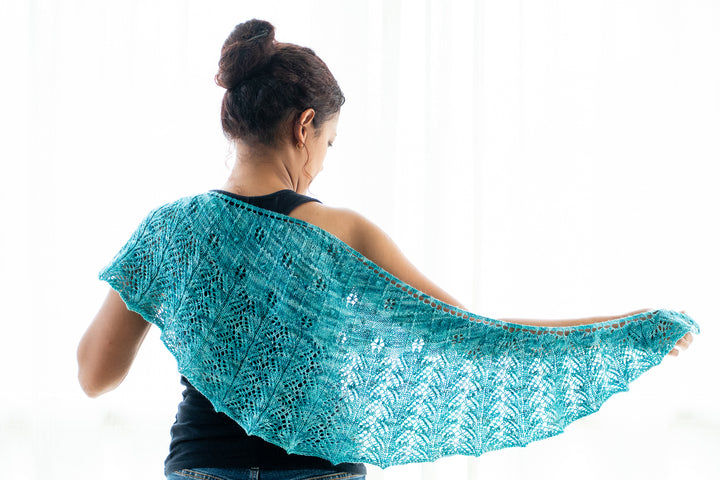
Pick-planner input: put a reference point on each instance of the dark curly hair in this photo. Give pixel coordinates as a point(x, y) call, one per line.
point(269, 83)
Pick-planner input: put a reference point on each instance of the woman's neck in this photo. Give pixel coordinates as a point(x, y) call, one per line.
point(260, 171)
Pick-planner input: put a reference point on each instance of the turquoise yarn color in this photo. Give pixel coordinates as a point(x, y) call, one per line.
point(313, 347)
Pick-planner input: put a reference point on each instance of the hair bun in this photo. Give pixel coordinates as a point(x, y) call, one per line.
point(247, 50)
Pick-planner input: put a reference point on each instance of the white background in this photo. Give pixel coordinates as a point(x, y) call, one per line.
point(540, 159)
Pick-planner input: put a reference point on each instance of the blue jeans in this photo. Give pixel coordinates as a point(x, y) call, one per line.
point(258, 474)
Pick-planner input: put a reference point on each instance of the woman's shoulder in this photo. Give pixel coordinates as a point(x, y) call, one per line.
point(343, 223)
point(348, 225)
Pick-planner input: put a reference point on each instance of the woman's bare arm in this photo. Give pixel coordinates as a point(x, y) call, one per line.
point(108, 347)
point(368, 239)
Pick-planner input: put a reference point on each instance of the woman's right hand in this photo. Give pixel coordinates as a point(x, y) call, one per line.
point(681, 344)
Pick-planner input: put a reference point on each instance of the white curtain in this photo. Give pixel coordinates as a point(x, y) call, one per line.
point(542, 159)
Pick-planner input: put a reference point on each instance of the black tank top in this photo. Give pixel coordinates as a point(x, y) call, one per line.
point(202, 437)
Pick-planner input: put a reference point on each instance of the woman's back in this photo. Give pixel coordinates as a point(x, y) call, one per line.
point(201, 436)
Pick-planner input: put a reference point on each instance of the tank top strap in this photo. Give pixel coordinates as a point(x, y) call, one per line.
point(282, 201)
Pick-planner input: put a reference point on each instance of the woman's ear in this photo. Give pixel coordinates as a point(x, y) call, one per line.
point(302, 125)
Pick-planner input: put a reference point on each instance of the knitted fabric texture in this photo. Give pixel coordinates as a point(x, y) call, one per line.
point(311, 346)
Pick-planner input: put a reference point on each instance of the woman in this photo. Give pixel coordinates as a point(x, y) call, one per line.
point(281, 111)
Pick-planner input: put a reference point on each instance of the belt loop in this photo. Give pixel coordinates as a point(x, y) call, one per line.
point(254, 473)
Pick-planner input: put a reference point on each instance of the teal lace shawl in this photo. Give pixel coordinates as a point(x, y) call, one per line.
point(311, 346)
